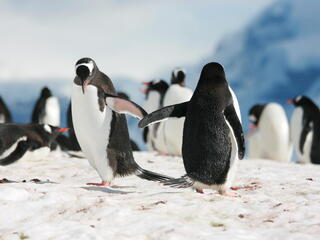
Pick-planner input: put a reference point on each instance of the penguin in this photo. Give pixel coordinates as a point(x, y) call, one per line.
point(100, 126)
point(17, 139)
point(269, 136)
point(154, 95)
point(305, 130)
point(173, 128)
point(5, 115)
point(46, 109)
point(213, 138)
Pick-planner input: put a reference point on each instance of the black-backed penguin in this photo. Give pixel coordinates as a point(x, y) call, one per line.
point(154, 95)
point(305, 130)
point(5, 115)
point(100, 126)
point(46, 109)
point(17, 139)
point(269, 136)
point(213, 139)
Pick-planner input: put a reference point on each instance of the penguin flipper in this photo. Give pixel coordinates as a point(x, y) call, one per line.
point(177, 110)
point(124, 106)
point(182, 182)
point(233, 120)
point(304, 132)
point(18, 153)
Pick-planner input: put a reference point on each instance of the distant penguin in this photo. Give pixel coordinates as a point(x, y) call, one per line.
point(100, 126)
point(17, 139)
point(5, 116)
point(270, 135)
point(154, 95)
point(305, 130)
point(47, 109)
point(173, 128)
point(212, 135)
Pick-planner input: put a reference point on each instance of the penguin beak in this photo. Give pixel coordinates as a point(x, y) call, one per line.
point(290, 101)
point(146, 83)
point(61, 130)
point(84, 86)
point(144, 91)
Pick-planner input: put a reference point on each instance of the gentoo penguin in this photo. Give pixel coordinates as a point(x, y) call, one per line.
point(213, 139)
point(17, 139)
point(5, 116)
point(47, 109)
point(305, 130)
point(269, 136)
point(154, 95)
point(173, 128)
point(100, 126)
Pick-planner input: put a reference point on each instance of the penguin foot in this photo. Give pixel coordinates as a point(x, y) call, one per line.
point(229, 194)
point(102, 184)
point(199, 191)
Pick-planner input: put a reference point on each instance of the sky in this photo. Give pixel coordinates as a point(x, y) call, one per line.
point(137, 40)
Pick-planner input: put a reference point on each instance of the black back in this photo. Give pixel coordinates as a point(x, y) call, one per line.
point(73, 142)
point(256, 111)
point(39, 108)
point(311, 122)
point(178, 77)
point(206, 146)
point(159, 86)
point(4, 110)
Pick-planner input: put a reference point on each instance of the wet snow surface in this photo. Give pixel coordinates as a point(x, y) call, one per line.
point(278, 201)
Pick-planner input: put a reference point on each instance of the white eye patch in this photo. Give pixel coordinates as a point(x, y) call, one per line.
point(298, 98)
point(89, 65)
point(252, 118)
point(47, 128)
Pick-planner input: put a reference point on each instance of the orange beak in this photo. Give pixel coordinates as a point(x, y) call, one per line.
point(290, 101)
point(146, 83)
point(61, 130)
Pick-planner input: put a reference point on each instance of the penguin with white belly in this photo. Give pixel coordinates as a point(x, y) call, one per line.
point(269, 136)
point(154, 95)
point(5, 115)
point(213, 139)
point(46, 109)
point(100, 126)
point(305, 130)
point(17, 139)
point(173, 128)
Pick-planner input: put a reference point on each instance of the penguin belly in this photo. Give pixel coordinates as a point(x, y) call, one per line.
point(2, 118)
point(92, 128)
point(52, 112)
point(295, 131)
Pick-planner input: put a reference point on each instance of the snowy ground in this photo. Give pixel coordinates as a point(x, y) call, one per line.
point(279, 201)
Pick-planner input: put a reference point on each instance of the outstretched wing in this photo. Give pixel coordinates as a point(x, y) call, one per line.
point(233, 120)
point(124, 106)
point(177, 110)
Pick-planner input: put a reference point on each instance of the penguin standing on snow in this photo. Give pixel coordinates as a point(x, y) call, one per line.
point(5, 116)
point(154, 95)
point(305, 130)
point(269, 136)
point(17, 139)
point(47, 109)
point(212, 135)
point(100, 126)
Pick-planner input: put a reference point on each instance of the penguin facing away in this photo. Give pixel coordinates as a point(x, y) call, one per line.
point(17, 139)
point(154, 95)
point(5, 115)
point(269, 136)
point(46, 109)
point(101, 127)
point(213, 139)
point(305, 129)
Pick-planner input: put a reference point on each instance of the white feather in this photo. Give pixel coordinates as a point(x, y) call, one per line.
point(295, 131)
point(52, 112)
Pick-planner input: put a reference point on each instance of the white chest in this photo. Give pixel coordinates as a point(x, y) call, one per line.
point(296, 128)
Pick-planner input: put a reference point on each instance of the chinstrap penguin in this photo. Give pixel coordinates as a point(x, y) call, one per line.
point(213, 139)
point(305, 130)
point(5, 115)
point(17, 139)
point(100, 126)
point(46, 109)
point(269, 136)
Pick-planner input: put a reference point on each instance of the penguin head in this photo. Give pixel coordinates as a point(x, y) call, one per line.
point(178, 77)
point(300, 101)
point(45, 92)
point(255, 114)
point(50, 133)
point(159, 86)
point(85, 70)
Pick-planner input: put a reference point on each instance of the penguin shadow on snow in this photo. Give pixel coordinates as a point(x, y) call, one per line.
point(106, 190)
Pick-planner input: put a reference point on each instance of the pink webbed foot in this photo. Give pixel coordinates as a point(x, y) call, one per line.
point(102, 184)
point(199, 191)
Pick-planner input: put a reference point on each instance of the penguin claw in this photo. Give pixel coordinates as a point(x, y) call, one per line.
point(102, 184)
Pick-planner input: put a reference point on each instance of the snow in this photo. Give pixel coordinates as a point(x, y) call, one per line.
point(278, 201)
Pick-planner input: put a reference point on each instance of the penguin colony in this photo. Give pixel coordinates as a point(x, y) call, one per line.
point(204, 127)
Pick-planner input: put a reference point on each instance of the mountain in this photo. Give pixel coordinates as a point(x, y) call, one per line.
point(274, 58)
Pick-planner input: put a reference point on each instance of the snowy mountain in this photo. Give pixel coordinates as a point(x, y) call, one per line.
point(274, 58)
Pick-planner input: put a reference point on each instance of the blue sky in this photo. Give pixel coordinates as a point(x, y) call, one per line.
point(133, 39)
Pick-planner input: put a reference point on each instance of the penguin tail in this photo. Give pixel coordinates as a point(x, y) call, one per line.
point(182, 182)
point(151, 176)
